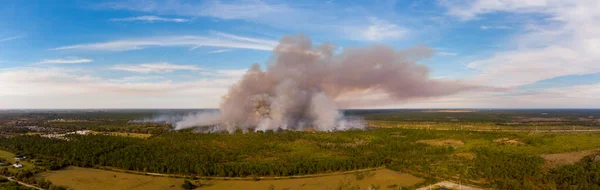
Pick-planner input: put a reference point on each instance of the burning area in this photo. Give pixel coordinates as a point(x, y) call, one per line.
point(299, 87)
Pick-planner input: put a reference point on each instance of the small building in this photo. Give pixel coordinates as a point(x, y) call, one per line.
point(20, 158)
point(82, 132)
point(2, 163)
point(17, 165)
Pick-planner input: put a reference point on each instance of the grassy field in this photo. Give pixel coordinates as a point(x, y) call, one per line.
point(95, 179)
point(383, 178)
point(560, 159)
point(123, 134)
point(87, 178)
point(10, 157)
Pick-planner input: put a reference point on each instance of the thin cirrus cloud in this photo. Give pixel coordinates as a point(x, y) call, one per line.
point(498, 27)
point(251, 9)
point(214, 40)
point(443, 53)
point(379, 30)
point(564, 44)
point(150, 19)
point(269, 13)
point(10, 38)
point(65, 61)
point(155, 68)
point(219, 51)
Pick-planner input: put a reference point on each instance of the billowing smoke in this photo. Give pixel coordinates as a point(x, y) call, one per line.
point(299, 87)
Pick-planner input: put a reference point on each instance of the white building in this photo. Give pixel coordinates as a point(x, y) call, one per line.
point(17, 165)
point(83, 132)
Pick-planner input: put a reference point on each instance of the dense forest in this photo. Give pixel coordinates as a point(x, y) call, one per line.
point(298, 153)
point(477, 157)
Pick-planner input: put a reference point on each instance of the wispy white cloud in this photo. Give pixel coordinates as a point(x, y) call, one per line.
point(136, 79)
point(151, 19)
point(31, 87)
point(382, 30)
point(225, 73)
point(248, 9)
point(339, 20)
point(236, 73)
point(498, 27)
point(10, 38)
point(68, 88)
point(218, 40)
point(219, 51)
point(469, 10)
point(443, 53)
point(155, 68)
point(565, 42)
point(72, 60)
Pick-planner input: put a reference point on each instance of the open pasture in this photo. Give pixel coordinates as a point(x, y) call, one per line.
point(95, 179)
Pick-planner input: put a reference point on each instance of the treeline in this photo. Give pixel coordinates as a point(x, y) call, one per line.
point(298, 153)
point(112, 126)
point(6, 184)
point(582, 175)
point(58, 121)
point(79, 150)
point(236, 155)
point(509, 170)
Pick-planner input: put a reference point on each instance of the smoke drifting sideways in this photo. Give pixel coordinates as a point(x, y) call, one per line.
point(301, 82)
point(186, 120)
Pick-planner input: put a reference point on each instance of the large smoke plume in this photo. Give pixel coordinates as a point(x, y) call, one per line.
point(301, 82)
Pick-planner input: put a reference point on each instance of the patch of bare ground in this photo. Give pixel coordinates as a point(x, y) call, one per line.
point(442, 142)
point(566, 158)
point(508, 141)
point(465, 155)
point(450, 185)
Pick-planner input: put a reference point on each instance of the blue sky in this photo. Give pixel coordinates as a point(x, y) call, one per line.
point(184, 54)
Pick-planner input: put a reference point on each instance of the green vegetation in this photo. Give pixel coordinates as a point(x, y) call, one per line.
point(16, 121)
point(12, 185)
point(299, 153)
point(188, 185)
point(498, 148)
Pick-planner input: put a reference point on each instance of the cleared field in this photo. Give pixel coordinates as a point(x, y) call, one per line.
point(136, 135)
point(95, 179)
point(87, 178)
point(10, 157)
point(560, 159)
point(383, 178)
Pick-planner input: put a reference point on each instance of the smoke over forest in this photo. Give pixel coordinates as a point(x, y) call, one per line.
point(301, 82)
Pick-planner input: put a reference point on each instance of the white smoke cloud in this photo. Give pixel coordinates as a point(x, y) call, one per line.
point(299, 87)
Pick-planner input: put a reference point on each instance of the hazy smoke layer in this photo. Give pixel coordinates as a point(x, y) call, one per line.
point(183, 121)
point(297, 89)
